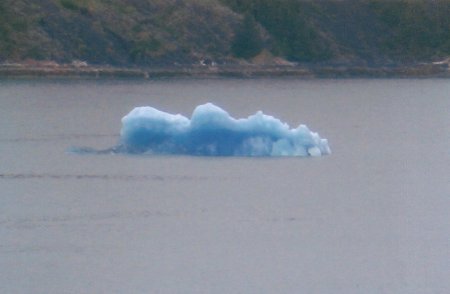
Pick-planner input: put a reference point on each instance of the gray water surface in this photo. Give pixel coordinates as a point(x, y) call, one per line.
point(370, 218)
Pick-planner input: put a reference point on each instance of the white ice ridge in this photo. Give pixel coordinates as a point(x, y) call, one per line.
point(211, 131)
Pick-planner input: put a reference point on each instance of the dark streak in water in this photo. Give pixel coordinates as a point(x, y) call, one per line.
point(92, 151)
point(105, 177)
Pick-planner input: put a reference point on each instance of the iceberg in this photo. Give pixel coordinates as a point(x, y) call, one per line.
point(211, 131)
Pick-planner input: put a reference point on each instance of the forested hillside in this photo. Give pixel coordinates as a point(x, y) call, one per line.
point(168, 32)
point(118, 32)
point(372, 31)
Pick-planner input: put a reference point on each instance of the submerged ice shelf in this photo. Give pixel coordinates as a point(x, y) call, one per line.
point(211, 131)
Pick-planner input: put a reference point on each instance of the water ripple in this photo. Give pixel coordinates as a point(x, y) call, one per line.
point(105, 177)
point(56, 138)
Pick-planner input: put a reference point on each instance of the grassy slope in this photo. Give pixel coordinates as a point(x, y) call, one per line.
point(161, 32)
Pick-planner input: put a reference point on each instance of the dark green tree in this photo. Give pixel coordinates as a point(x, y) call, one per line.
point(247, 42)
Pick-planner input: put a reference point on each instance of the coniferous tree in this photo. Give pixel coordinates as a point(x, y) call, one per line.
point(247, 42)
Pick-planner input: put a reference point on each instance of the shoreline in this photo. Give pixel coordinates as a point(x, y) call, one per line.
point(232, 71)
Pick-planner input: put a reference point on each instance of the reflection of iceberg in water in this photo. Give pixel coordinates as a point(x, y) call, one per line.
point(213, 132)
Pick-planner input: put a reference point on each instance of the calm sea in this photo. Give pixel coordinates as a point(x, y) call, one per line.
point(373, 217)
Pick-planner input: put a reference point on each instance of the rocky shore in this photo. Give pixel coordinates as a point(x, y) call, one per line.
point(82, 70)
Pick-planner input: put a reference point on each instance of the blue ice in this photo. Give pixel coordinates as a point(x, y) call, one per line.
point(211, 131)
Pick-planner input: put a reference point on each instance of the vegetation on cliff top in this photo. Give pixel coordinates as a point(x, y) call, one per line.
point(168, 32)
